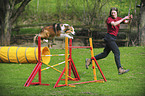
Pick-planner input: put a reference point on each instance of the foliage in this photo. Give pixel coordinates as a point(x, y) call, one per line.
point(13, 76)
point(23, 31)
point(75, 12)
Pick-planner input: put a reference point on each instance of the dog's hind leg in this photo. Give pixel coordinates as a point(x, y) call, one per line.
point(50, 46)
point(49, 43)
point(34, 39)
point(53, 41)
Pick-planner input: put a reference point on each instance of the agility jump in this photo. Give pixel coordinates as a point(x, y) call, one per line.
point(68, 66)
point(73, 68)
point(38, 69)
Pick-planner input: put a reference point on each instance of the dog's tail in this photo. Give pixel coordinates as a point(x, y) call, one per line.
point(35, 39)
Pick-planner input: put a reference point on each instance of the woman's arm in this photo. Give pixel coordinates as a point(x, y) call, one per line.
point(126, 18)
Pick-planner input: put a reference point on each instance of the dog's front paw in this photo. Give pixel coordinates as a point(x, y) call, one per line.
point(45, 40)
point(70, 37)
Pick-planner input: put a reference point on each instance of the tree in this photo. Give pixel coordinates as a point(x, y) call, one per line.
point(142, 23)
point(89, 12)
point(8, 15)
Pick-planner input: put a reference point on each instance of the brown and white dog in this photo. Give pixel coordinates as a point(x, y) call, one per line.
point(55, 30)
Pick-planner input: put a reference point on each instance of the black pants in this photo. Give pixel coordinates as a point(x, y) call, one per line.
point(110, 46)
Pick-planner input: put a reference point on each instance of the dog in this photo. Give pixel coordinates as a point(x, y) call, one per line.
point(54, 31)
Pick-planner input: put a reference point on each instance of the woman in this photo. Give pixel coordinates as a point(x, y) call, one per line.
point(113, 24)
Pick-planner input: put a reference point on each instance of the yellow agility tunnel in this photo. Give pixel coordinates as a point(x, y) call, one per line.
point(23, 54)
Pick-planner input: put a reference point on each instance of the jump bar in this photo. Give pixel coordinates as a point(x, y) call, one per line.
point(79, 47)
point(54, 55)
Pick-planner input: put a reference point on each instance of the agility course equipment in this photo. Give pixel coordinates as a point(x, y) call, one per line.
point(68, 69)
point(53, 66)
point(16, 54)
point(37, 69)
point(73, 68)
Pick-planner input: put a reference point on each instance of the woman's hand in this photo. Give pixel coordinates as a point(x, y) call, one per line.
point(128, 17)
point(131, 16)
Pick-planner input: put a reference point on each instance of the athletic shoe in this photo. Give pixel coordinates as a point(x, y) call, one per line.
point(122, 71)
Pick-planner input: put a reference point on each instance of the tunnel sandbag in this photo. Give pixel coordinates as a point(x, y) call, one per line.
point(14, 54)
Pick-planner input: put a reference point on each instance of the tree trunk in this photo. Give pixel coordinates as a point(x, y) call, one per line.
point(142, 23)
point(8, 15)
point(6, 27)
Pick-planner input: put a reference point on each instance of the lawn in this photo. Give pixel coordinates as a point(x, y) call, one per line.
point(13, 76)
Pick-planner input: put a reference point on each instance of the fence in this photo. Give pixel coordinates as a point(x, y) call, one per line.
point(81, 36)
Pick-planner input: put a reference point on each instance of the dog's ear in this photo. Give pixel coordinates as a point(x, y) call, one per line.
point(66, 27)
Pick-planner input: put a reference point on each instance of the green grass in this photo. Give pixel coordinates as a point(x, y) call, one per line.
point(14, 76)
